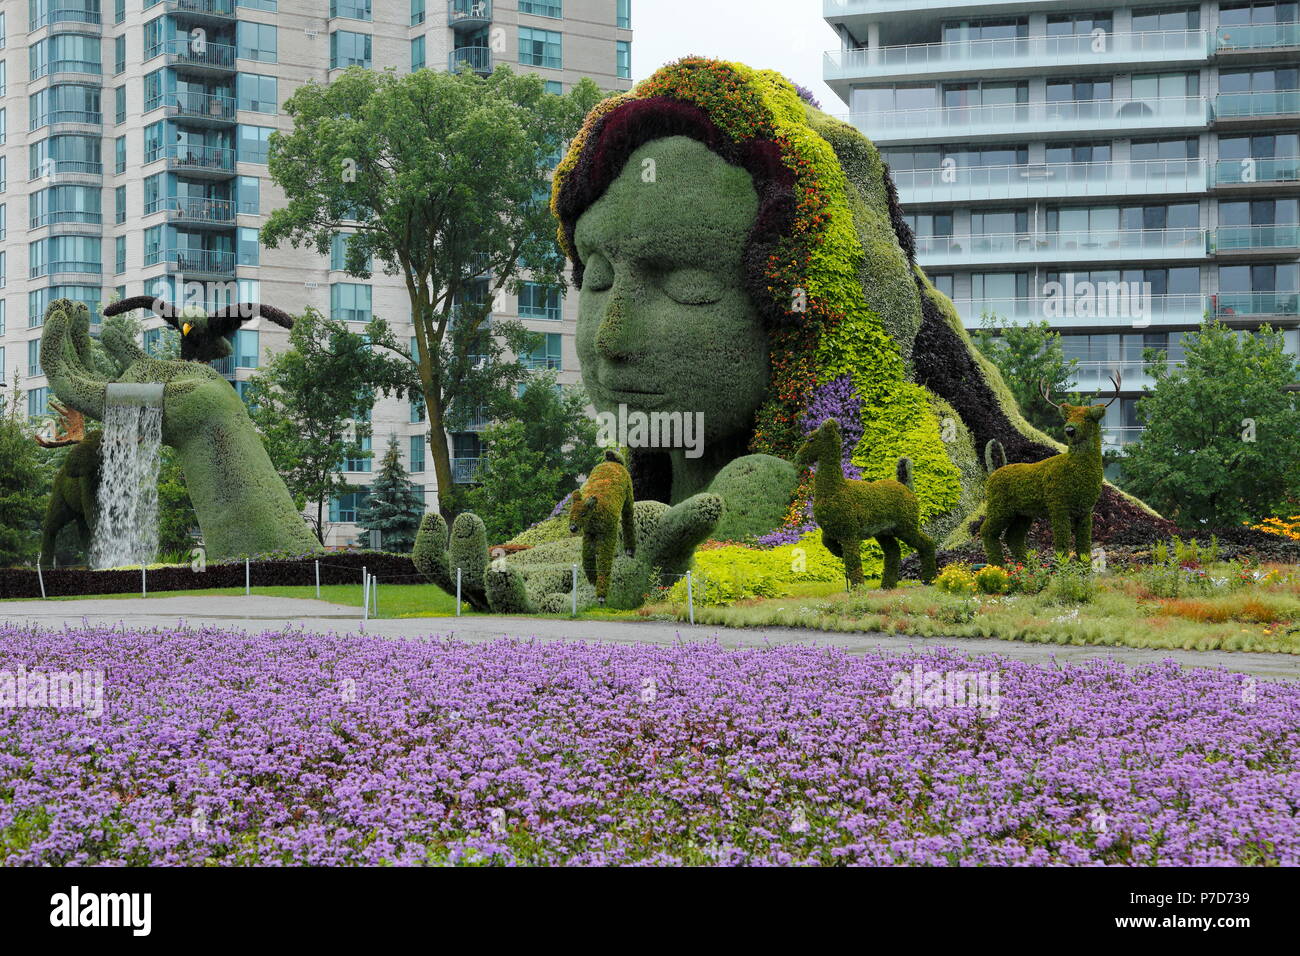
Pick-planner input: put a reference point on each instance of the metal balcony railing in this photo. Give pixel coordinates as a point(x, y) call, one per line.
point(65, 216)
point(1089, 243)
point(1001, 118)
point(74, 266)
point(211, 8)
point(219, 211)
point(469, 14)
point(1248, 105)
point(1012, 51)
point(1284, 236)
point(55, 167)
point(194, 261)
point(535, 362)
point(70, 13)
point(464, 470)
point(478, 58)
point(1281, 169)
point(53, 117)
point(183, 52)
point(1048, 179)
point(1111, 304)
point(198, 105)
point(1258, 36)
point(207, 158)
point(1229, 305)
point(51, 67)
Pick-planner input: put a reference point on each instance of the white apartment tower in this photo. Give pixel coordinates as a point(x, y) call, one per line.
point(128, 157)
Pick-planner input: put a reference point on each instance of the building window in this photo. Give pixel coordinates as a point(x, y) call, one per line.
point(119, 154)
point(248, 191)
point(246, 348)
point(256, 41)
point(350, 301)
point(541, 48)
point(119, 255)
point(546, 355)
point(2, 361)
point(34, 358)
point(248, 252)
point(623, 59)
point(350, 9)
point(542, 8)
point(65, 53)
point(257, 93)
point(417, 409)
point(417, 12)
point(625, 14)
point(349, 49)
point(119, 105)
point(417, 453)
point(4, 230)
point(339, 253)
point(362, 463)
point(417, 54)
point(119, 204)
point(538, 301)
point(555, 86)
point(343, 510)
point(119, 54)
point(254, 144)
point(119, 11)
point(37, 399)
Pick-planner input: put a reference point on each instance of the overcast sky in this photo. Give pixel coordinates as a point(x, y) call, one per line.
point(789, 36)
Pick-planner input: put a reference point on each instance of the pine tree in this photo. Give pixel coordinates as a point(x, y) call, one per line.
point(24, 484)
point(393, 508)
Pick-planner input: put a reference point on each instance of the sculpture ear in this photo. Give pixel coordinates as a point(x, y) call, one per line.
point(575, 499)
point(1097, 412)
point(1065, 412)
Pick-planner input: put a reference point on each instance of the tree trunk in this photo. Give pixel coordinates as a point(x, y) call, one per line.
point(441, 456)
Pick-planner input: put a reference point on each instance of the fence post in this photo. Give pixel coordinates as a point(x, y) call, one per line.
point(575, 590)
point(318, 580)
point(248, 578)
point(458, 592)
point(374, 593)
point(690, 596)
point(144, 583)
point(365, 595)
point(40, 577)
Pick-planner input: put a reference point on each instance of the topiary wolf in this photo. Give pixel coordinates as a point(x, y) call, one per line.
point(850, 511)
point(1064, 487)
point(74, 496)
point(595, 511)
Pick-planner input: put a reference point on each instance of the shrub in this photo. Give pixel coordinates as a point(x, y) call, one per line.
point(1031, 577)
point(1072, 583)
point(956, 579)
point(733, 572)
point(992, 579)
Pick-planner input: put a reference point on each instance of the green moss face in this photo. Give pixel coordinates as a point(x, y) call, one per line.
point(665, 323)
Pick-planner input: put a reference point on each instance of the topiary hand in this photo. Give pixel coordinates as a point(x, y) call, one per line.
point(239, 498)
point(664, 551)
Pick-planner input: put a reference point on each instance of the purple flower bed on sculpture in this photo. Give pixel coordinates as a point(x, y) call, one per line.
point(295, 748)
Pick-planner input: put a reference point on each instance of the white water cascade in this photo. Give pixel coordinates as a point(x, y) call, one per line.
point(126, 531)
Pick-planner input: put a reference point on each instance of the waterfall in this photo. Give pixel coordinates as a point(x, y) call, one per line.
point(126, 529)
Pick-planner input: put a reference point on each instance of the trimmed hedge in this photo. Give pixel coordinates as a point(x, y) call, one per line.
point(340, 568)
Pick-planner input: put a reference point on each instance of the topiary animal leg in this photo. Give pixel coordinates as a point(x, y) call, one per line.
point(1061, 528)
point(589, 558)
point(920, 541)
point(831, 545)
point(991, 534)
point(889, 545)
point(57, 514)
point(1083, 536)
point(1017, 534)
point(853, 562)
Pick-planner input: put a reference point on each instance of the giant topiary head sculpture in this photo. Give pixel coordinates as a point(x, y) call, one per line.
point(743, 256)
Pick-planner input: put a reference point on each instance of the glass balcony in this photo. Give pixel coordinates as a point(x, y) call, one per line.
point(1230, 305)
point(77, 117)
point(225, 366)
point(66, 167)
point(536, 362)
point(1235, 172)
point(961, 56)
point(1046, 180)
point(1092, 245)
point(1114, 306)
point(1263, 238)
point(1019, 119)
point(1257, 36)
point(1251, 105)
point(478, 58)
point(464, 470)
point(468, 15)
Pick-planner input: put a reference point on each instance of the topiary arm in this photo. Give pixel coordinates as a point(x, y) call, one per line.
point(65, 348)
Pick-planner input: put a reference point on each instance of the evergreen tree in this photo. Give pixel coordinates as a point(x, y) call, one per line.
point(24, 483)
point(394, 507)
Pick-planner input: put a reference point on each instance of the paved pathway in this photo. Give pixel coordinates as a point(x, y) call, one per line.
point(268, 613)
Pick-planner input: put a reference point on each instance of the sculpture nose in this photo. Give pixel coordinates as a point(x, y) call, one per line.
point(1069, 431)
point(613, 340)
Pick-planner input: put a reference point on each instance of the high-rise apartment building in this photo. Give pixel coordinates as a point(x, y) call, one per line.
point(131, 155)
point(1118, 169)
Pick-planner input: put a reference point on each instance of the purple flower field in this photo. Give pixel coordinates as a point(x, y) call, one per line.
point(294, 748)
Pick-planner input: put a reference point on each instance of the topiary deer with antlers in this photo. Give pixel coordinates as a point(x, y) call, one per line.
point(850, 511)
point(1064, 487)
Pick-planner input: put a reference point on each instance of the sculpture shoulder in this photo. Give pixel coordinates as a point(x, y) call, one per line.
point(757, 490)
